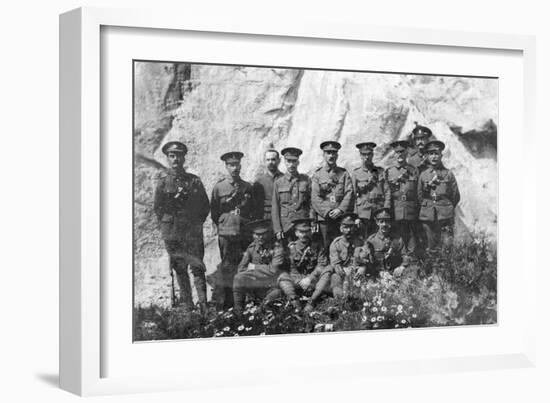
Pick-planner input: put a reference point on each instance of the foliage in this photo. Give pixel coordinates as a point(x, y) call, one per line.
point(456, 286)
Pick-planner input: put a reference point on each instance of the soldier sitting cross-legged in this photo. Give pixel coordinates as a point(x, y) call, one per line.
point(383, 251)
point(260, 265)
point(309, 272)
point(342, 251)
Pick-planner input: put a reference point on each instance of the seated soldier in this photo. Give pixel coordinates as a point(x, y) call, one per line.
point(383, 250)
point(309, 272)
point(342, 251)
point(260, 265)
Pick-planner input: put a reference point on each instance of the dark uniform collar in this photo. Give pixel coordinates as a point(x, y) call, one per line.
point(381, 236)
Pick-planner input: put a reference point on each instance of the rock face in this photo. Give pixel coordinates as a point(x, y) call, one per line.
point(214, 109)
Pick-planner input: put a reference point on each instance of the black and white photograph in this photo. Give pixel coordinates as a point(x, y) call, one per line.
point(272, 200)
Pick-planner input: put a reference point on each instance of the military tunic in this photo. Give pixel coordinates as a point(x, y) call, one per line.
point(371, 194)
point(291, 200)
point(331, 188)
point(231, 209)
point(438, 194)
point(181, 207)
point(263, 193)
point(342, 262)
point(307, 259)
point(387, 252)
point(403, 183)
point(258, 271)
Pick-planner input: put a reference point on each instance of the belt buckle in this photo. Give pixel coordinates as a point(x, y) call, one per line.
point(403, 198)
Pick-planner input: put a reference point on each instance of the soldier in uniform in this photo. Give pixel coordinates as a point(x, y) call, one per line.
point(260, 265)
point(263, 184)
point(331, 193)
point(231, 209)
point(181, 206)
point(309, 272)
point(371, 190)
point(342, 251)
point(420, 137)
point(291, 195)
point(402, 180)
point(383, 250)
point(438, 195)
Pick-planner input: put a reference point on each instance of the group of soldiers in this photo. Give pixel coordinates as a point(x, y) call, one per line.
point(288, 235)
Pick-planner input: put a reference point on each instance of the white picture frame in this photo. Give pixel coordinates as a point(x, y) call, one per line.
point(82, 343)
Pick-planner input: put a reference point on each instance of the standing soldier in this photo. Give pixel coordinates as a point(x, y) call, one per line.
point(231, 209)
point(331, 192)
point(417, 157)
point(402, 180)
point(309, 272)
point(383, 250)
point(291, 195)
point(263, 185)
point(371, 190)
point(181, 206)
point(438, 195)
point(260, 265)
point(342, 252)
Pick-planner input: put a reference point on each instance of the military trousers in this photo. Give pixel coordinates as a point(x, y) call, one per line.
point(439, 232)
point(183, 256)
point(329, 230)
point(256, 281)
point(408, 230)
point(320, 281)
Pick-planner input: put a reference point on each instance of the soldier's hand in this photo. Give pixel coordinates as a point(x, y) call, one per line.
point(251, 266)
point(332, 214)
point(280, 235)
point(304, 283)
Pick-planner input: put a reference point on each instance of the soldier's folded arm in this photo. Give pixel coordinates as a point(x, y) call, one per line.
point(348, 199)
